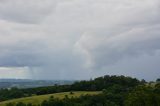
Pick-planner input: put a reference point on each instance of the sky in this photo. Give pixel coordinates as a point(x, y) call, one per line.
point(79, 39)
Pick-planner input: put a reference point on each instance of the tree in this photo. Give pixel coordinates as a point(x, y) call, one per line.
point(158, 80)
point(143, 96)
point(143, 81)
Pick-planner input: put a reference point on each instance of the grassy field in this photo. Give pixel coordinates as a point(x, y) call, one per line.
point(39, 99)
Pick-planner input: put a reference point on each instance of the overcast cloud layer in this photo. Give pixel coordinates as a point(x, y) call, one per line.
point(79, 39)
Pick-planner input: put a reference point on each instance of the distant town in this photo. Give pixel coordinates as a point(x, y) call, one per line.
point(27, 83)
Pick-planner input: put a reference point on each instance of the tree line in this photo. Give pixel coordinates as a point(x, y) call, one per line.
point(141, 95)
point(98, 84)
point(116, 91)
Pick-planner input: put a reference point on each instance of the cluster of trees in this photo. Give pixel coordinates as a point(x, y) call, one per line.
point(140, 96)
point(98, 84)
point(144, 96)
point(6, 94)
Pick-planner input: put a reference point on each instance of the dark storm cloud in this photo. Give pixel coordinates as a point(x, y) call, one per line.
point(26, 11)
point(75, 39)
point(22, 55)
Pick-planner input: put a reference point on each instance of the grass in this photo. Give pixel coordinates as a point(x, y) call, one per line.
point(38, 99)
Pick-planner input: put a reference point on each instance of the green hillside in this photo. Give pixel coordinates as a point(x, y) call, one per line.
point(39, 99)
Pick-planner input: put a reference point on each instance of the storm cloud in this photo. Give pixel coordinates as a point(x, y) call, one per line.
point(80, 39)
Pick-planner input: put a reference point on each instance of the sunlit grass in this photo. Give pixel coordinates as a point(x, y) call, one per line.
point(38, 99)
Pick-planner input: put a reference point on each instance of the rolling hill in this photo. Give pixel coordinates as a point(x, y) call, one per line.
point(39, 99)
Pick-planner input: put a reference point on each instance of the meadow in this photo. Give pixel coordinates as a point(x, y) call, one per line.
point(38, 99)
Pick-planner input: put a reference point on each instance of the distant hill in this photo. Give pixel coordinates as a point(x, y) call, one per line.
point(28, 83)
